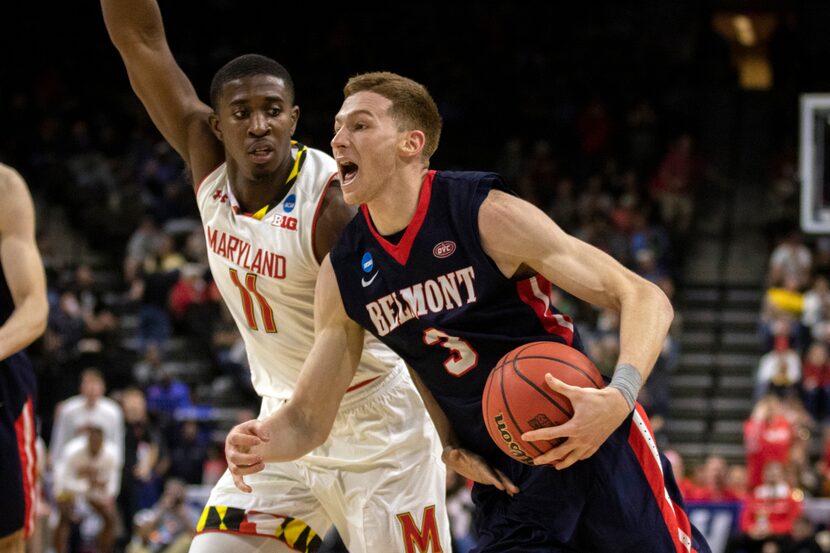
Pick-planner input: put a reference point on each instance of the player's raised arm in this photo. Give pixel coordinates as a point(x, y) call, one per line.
point(22, 265)
point(306, 419)
point(516, 234)
point(137, 30)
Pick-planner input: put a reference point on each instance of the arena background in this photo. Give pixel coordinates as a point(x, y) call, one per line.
point(666, 133)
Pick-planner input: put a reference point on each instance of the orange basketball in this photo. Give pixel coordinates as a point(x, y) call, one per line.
point(517, 398)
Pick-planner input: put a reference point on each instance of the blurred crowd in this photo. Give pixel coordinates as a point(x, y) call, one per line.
point(787, 435)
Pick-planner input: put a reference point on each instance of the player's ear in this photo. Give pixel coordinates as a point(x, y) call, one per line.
point(295, 117)
point(413, 143)
point(213, 120)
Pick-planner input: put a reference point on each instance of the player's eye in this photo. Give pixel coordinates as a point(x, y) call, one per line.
point(240, 114)
point(274, 112)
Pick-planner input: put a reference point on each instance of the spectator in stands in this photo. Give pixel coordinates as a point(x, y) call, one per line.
point(87, 474)
point(188, 453)
point(142, 244)
point(712, 485)
point(768, 437)
point(803, 537)
point(778, 370)
point(815, 381)
point(148, 369)
point(562, 207)
point(160, 272)
point(91, 406)
point(790, 259)
point(678, 466)
point(675, 183)
point(167, 527)
point(816, 303)
point(823, 464)
point(737, 481)
point(166, 395)
point(771, 509)
point(145, 458)
point(99, 320)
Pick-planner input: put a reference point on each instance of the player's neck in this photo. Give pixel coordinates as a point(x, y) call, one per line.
point(253, 193)
point(393, 209)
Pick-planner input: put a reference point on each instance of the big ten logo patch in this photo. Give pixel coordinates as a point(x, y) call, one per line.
point(420, 539)
point(284, 221)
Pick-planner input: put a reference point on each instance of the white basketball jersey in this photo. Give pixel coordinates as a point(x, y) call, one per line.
point(266, 270)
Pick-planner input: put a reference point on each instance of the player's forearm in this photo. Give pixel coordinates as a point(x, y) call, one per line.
point(27, 323)
point(645, 317)
point(133, 22)
point(293, 434)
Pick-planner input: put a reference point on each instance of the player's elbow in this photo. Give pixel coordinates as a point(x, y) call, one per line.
point(41, 318)
point(36, 317)
point(662, 307)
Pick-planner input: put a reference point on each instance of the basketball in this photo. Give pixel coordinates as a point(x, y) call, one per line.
point(517, 398)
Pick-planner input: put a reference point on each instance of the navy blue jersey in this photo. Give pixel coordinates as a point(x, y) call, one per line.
point(440, 302)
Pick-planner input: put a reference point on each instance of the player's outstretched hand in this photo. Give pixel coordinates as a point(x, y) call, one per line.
point(597, 413)
point(238, 444)
point(473, 466)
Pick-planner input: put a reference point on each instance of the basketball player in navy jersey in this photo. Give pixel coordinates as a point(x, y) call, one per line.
point(452, 272)
point(23, 312)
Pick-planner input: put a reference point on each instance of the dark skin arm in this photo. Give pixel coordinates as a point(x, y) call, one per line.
point(334, 215)
point(464, 462)
point(137, 31)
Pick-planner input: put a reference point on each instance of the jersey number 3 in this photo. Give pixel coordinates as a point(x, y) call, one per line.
point(462, 357)
point(248, 292)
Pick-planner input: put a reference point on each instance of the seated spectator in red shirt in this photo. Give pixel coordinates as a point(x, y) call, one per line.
point(768, 437)
point(772, 508)
point(737, 481)
point(712, 486)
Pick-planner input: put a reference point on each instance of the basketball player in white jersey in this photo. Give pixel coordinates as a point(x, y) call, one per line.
point(271, 211)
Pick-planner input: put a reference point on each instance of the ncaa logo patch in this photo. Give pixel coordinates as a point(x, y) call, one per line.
point(289, 203)
point(367, 263)
point(444, 249)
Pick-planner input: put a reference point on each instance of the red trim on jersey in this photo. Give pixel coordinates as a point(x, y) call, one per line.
point(677, 522)
point(317, 212)
point(400, 251)
point(539, 301)
point(241, 533)
point(199, 184)
point(24, 428)
point(361, 384)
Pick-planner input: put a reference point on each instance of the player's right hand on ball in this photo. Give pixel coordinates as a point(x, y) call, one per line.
point(241, 460)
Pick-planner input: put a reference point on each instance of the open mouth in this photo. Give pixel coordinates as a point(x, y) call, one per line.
point(261, 153)
point(349, 171)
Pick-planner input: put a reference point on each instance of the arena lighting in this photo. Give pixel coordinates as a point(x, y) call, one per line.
point(748, 34)
point(744, 30)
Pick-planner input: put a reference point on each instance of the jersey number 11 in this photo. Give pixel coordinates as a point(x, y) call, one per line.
point(248, 291)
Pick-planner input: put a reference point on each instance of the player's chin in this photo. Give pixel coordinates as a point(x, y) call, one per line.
point(351, 197)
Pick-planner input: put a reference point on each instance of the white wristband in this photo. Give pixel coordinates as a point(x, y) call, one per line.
point(627, 380)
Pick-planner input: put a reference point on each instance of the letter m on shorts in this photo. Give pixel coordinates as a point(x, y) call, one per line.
point(418, 540)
